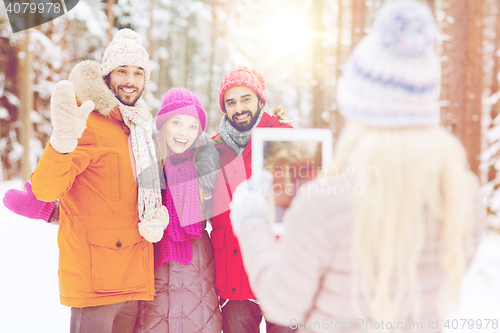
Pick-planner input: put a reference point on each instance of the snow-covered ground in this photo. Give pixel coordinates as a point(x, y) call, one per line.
point(480, 293)
point(29, 301)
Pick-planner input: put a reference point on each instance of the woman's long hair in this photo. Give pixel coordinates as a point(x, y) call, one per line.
point(163, 152)
point(406, 175)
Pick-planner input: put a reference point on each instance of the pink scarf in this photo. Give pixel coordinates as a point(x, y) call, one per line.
point(181, 198)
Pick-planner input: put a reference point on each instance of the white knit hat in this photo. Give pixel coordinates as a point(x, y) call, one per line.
point(125, 50)
point(393, 76)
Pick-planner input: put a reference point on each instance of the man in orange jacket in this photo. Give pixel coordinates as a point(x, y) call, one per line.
point(100, 163)
point(244, 107)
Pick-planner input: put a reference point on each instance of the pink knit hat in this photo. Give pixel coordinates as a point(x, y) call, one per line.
point(179, 101)
point(242, 76)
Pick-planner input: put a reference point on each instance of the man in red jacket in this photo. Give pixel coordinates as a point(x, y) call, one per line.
point(244, 107)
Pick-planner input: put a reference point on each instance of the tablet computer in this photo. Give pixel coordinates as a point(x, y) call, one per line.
point(294, 157)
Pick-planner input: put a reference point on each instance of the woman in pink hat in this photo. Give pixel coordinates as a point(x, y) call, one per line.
point(185, 300)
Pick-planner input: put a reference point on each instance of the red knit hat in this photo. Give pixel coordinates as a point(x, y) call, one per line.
point(242, 76)
point(180, 101)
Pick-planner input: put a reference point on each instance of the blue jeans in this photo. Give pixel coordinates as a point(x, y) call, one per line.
point(245, 317)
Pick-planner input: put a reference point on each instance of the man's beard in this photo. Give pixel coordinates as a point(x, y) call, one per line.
point(122, 100)
point(248, 125)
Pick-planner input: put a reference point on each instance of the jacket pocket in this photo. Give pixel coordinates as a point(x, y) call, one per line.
point(118, 260)
point(220, 257)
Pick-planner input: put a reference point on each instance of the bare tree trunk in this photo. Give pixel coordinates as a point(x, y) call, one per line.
point(220, 51)
point(466, 74)
point(111, 18)
point(341, 56)
point(472, 133)
point(2, 20)
point(27, 98)
point(191, 48)
point(150, 35)
point(495, 85)
point(340, 23)
point(182, 57)
point(150, 48)
point(318, 55)
point(495, 108)
point(211, 61)
point(164, 81)
point(358, 21)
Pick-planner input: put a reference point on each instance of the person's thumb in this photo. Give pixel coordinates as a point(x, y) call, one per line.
point(85, 110)
point(27, 186)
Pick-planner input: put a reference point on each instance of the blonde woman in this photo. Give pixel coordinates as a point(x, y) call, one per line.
point(382, 240)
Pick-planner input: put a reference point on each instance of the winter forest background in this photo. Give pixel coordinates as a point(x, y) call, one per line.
point(299, 45)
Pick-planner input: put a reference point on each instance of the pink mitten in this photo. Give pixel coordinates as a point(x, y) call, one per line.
point(26, 204)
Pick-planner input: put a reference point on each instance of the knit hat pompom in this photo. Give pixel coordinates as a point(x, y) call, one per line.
point(125, 50)
point(180, 101)
point(242, 76)
point(128, 34)
point(406, 28)
point(392, 78)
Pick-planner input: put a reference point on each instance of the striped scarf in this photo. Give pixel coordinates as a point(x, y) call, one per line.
point(139, 121)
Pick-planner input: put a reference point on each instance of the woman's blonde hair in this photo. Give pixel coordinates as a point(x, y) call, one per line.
point(413, 173)
point(162, 154)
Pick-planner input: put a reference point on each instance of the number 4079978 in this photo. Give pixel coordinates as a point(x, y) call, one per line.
point(476, 324)
point(27, 7)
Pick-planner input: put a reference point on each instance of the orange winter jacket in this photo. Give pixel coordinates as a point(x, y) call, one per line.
point(102, 257)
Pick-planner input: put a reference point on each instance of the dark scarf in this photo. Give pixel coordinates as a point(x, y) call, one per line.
point(235, 139)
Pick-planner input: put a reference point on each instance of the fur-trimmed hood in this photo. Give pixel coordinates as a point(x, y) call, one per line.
point(90, 86)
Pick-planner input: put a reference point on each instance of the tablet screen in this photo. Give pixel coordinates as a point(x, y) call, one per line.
point(294, 157)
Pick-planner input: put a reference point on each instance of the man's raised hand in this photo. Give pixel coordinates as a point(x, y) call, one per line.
point(68, 120)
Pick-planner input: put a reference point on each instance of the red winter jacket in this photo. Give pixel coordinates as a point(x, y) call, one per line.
point(231, 280)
